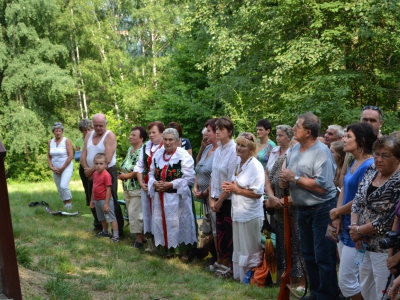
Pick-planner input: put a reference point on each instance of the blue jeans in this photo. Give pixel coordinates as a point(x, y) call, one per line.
point(318, 252)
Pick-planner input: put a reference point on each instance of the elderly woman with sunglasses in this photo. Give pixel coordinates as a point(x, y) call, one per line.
point(373, 212)
point(247, 188)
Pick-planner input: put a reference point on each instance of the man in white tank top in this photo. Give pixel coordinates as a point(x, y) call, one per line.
point(101, 140)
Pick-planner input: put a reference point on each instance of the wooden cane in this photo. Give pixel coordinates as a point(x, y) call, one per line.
point(284, 291)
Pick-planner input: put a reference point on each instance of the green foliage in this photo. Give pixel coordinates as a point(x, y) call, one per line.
point(292, 65)
point(188, 61)
point(61, 288)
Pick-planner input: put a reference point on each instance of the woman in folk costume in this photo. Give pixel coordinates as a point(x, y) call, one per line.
point(170, 177)
point(142, 168)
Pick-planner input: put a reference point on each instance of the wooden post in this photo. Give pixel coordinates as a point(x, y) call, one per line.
point(8, 258)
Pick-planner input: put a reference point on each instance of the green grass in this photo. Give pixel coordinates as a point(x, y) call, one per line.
point(59, 258)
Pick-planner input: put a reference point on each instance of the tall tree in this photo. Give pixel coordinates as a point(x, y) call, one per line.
point(35, 86)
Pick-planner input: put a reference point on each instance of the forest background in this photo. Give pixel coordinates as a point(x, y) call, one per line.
point(188, 61)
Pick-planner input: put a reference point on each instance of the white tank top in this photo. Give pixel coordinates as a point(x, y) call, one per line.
point(58, 153)
point(92, 150)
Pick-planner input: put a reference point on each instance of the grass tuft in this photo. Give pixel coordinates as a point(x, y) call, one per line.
point(24, 256)
point(61, 288)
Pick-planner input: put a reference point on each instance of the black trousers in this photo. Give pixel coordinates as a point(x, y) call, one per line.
point(224, 230)
point(85, 183)
point(117, 209)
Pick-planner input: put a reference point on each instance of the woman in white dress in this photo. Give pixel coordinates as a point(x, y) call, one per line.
point(247, 188)
point(170, 177)
point(142, 169)
point(59, 158)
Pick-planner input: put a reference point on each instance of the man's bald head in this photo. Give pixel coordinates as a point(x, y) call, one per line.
point(99, 123)
point(99, 118)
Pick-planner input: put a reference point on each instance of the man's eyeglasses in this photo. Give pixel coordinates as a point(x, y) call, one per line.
point(384, 156)
point(298, 126)
point(247, 136)
point(373, 107)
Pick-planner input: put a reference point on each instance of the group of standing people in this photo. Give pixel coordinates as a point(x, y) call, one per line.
point(349, 178)
point(363, 171)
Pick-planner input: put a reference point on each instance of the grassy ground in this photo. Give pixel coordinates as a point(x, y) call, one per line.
point(59, 259)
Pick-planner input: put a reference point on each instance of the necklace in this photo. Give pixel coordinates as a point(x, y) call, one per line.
point(150, 157)
point(239, 168)
point(167, 159)
point(151, 147)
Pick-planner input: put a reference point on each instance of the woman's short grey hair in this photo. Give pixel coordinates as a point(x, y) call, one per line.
point(172, 131)
point(84, 123)
point(287, 129)
point(57, 125)
point(390, 142)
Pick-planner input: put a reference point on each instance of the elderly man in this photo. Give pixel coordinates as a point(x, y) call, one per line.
point(333, 133)
point(309, 173)
point(101, 140)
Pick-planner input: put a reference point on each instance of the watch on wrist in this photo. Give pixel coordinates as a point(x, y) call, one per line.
point(296, 178)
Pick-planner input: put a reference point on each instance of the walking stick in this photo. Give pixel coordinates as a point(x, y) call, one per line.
point(284, 291)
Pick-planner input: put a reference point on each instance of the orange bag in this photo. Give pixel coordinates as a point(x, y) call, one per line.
point(266, 273)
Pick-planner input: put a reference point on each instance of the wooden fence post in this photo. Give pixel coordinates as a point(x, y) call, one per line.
point(8, 258)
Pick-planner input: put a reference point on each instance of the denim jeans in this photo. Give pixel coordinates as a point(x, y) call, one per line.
point(318, 252)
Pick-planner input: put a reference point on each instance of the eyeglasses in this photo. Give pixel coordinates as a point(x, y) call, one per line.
point(298, 127)
point(247, 136)
point(373, 107)
point(384, 156)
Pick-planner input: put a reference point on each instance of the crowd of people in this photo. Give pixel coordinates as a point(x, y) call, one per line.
point(348, 179)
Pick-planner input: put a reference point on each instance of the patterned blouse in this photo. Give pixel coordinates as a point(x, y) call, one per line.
point(127, 166)
point(274, 179)
point(263, 154)
point(204, 168)
point(378, 208)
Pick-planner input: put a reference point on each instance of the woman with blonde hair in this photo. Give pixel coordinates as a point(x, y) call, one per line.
point(247, 188)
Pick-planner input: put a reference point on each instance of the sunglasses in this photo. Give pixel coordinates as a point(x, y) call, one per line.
point(247, 136)
point(373, 107)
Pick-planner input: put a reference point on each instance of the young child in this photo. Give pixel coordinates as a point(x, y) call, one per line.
point(101, 198)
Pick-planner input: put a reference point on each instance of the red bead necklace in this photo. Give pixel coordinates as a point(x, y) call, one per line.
point(167, 159)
